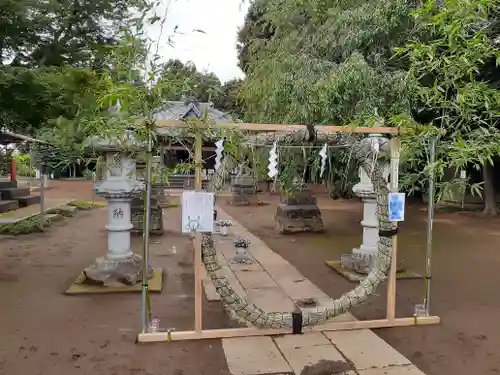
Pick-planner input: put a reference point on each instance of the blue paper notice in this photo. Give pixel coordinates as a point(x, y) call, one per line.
point(396, 206)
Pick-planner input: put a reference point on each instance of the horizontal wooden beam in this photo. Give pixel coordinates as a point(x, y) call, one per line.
point(283, 127)
point(247, 332)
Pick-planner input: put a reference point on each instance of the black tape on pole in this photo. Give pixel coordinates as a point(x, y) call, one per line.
point(297, 323)
point(388, 233)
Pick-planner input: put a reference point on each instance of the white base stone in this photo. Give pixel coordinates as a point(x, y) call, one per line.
point(111, 272)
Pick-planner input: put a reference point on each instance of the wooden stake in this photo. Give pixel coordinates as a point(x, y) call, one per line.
point(391, 285)
point(197, 240)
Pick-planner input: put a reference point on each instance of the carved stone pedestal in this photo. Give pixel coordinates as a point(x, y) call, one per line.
point(298, 213)
point(156, 223)
point(159, 192)
point(243, 192)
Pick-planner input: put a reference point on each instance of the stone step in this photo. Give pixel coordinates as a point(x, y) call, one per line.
point(28, 200)
point(14, 193)
point(6, 206)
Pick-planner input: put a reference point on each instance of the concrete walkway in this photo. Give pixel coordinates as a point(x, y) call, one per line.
point(273, 284)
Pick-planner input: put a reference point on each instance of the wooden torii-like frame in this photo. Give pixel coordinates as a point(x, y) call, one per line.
point(200, 333)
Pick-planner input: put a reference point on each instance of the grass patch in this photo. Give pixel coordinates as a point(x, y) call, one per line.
point(63, 211)
point(26, 226)
point(33, 224)
point(170, 205)
point(85, 205)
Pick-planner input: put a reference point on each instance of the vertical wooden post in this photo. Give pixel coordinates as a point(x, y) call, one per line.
point(13, 176)
point(197, 240)
point(391, 285)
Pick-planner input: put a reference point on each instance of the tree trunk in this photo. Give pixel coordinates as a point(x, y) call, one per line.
point(490, 204)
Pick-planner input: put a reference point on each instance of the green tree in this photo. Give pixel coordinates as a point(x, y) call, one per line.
point(256, 31)
point(453, 79)
point(48, 93)
point(229, 98)
point(323, 61)
point(15, 28)
point(185, 80)
point(58, 32)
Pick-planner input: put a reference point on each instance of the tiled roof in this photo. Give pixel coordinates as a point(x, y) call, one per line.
point(178, 110)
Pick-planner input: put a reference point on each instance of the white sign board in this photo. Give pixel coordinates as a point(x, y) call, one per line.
point(396, 207)
point(197, 212)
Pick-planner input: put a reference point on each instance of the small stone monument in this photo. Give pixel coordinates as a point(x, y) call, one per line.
point(156, 212)
point(120, 265)
point(243, 189)
point(298, 211)
point(363, 258)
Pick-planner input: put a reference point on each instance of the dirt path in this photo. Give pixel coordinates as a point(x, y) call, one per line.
point(74, 189)
point(464, 286)
point(45, 332)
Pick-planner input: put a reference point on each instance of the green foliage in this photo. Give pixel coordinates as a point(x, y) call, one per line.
point(84, 205)
point(26, 226)
point(62, 211)
point(322, 61)
point(330, 61)
point(49, 93)
point(445, 69)
point(24, 165)
point(184, 80)
point(449, 87)
point(229, 99)
point(33, 224)
point(255, 31)
point(55, 33)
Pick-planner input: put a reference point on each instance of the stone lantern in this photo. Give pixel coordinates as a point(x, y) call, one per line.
point(120, 264)
point(362, 258)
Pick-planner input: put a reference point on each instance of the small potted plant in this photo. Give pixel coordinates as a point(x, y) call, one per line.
point(241, 244)
point(224, 225)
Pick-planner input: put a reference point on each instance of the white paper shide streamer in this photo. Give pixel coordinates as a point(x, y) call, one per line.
point(218, 153)
point(323, 153)
point(273, 161)
point(375, 146)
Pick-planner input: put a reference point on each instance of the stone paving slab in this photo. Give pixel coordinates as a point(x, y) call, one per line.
point(307, 349)
point(396, 370)
point(289, 354)
point(258, 279)
point(298, 288)
point(253, 356)
point(366, 350)
point(271, 299)
point(209, 287)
